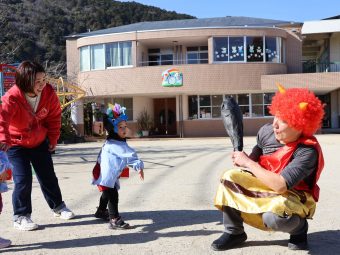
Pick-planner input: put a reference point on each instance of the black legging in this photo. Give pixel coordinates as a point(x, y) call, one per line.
point(109, 198)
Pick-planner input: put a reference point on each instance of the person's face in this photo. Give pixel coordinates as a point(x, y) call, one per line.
point(284, 133)
point(39, 84)
point(122, 129)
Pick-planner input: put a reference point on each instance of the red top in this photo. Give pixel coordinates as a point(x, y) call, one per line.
point(19, 125)
point(277, 161)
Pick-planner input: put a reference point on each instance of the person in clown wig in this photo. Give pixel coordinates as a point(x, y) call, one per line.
point(275, 187)
point(115, 155)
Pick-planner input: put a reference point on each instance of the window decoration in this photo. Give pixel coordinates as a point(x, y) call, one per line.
point(272, 49)
point(221, 49)
point(236, 49)
point(254, 49)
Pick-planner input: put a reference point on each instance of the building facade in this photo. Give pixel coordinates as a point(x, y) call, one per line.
point(209, 58)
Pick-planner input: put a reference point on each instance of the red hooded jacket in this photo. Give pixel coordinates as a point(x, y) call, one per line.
point(19, 125)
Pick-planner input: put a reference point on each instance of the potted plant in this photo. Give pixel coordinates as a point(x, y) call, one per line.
point(144, 122)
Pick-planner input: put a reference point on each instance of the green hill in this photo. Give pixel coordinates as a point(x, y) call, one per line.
point(35, 29)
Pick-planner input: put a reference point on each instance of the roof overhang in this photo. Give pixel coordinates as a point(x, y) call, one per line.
point(321, 26)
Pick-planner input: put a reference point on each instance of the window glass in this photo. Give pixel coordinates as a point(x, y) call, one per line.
point(221, 49)
point(203, 56)
point(192, 58)
point(192, 49)
point(236, 49)
point(254, 49)
point(257, 99)
point(197, 55)
point(112, 54)
point(217, 100)
point(245, 110)
point(267, 97)
point(204, 100)
point(85, 58)
point(193, 107)
point(272, 50)
point(216, 112)
point(154, 60)
point(257, 111)
point(205, 112)
point(243, 99)
point(97, 57)
point(126, 58)
point(267, 100)
point(166, 59)
point(118, 54)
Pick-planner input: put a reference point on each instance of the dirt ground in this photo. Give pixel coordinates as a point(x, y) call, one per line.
point(171, 210)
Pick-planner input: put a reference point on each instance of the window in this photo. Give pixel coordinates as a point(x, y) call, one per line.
point(124, 102)
point(254, 49)
point(97, 57)
point(243, 102)
point(85, 58)
point(273, 45)
point(257, 105)
point(236, 49)
point(193, 107)
point(221, 49)
point(160, 57)
point(267, 100)
point(118, 54)
point(101, 56)
point(205, 107)
point(216, 105)
point(197, 55)
point(209, 106)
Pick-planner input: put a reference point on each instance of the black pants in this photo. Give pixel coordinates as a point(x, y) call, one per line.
point(294, 225)
point(110, 198)
point(40, 157)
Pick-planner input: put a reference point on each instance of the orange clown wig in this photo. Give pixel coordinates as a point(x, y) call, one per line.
point(300, 108)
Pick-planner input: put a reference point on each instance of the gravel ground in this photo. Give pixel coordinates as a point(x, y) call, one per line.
point(171, 210)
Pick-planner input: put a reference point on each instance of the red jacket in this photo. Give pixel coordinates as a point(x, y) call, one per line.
point(19, 125)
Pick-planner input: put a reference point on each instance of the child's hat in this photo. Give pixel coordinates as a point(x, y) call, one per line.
point(116, 114)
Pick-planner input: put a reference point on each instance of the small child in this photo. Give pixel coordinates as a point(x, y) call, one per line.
point(113, 158)
point(5, 174)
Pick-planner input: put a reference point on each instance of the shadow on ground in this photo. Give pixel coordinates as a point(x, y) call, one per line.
point(160, 221)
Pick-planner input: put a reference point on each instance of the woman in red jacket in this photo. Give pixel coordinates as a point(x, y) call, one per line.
point(30, 123)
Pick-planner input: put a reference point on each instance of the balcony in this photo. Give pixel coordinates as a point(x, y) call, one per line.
point(313, 67)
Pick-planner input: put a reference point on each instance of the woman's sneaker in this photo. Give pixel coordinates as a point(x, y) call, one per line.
point(118, 223)
point(25, 223)
point(4, 243)
point(64, 213)
point(102, 214)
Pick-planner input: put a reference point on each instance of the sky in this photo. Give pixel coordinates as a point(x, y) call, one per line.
point(287, 10)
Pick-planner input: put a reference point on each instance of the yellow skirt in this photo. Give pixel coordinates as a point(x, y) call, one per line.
point(241, 190)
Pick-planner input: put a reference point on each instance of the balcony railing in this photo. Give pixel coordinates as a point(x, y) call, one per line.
point(173, 62)
point(312, 67)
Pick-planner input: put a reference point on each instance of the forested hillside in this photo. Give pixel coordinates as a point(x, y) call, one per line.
point(35, 29)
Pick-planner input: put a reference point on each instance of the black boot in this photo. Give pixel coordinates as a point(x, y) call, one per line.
point(298, 242)
point(227, 241)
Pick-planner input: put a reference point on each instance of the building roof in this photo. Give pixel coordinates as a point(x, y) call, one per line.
point(321, 26)
point(228, 21)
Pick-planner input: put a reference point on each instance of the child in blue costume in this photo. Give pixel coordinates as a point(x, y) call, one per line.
point(113, 158)
point(5, 174)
